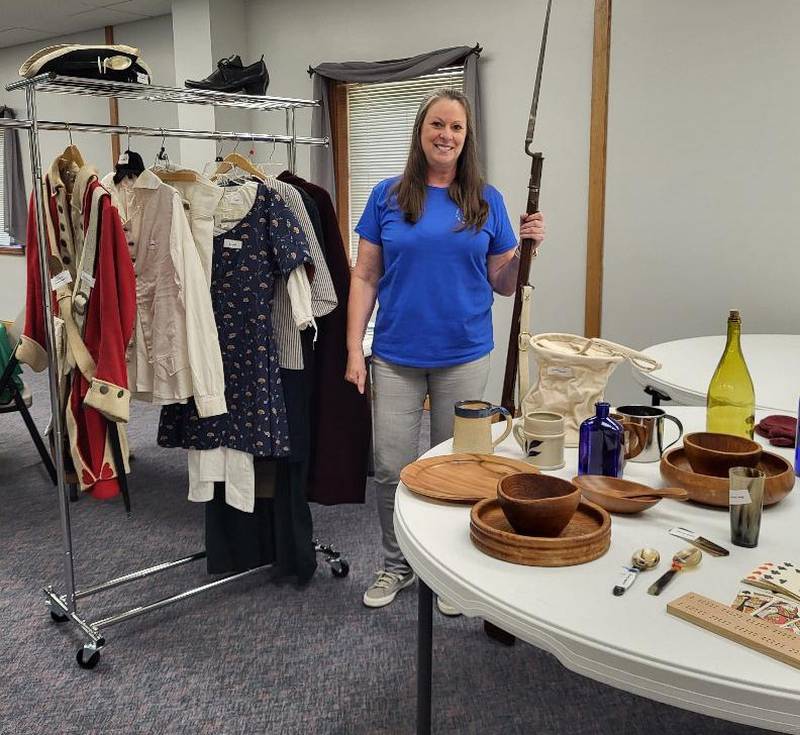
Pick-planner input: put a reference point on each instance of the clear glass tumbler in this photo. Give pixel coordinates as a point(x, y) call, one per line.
point(746, 500)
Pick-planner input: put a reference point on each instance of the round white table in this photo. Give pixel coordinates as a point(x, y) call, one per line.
point(628, 642)
point(688, 365)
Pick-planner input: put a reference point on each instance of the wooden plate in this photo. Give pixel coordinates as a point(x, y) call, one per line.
point(460, 478)
point(711, 490)
point(586, 537)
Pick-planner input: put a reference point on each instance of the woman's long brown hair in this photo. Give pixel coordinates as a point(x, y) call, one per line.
point(466, 188)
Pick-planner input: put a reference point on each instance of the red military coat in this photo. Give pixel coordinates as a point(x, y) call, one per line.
point(85, 240)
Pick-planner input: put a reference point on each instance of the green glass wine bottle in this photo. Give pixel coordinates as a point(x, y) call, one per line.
point(731, 404)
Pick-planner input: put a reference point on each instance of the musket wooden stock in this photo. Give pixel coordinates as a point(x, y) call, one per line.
point(525, 257)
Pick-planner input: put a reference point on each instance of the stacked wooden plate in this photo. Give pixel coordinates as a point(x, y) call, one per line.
point(460, 478)
point(712, 490)
point(586, 537)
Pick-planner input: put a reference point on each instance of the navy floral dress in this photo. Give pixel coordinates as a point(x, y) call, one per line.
point(266, 244)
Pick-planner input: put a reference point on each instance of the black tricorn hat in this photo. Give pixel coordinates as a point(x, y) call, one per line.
point(115, 63)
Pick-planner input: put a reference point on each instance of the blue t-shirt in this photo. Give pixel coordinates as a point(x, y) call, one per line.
point(434, 298)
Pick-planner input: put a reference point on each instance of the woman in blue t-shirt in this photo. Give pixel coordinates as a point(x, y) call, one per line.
point(435, 243)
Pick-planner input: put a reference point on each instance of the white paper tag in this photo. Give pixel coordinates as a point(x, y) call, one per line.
point(122, 160)
point(62, 279)
point(626, 577)
point(233, 244)
point(142, 78)
point(561, 372)
point(87, 279)
point(740, 496)
point(684, 533)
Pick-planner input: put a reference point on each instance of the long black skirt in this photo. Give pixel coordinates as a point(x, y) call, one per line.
point(279, 531)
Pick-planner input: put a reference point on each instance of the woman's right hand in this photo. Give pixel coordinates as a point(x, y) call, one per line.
point(356, 372)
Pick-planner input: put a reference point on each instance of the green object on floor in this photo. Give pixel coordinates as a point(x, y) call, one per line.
point(6, 352)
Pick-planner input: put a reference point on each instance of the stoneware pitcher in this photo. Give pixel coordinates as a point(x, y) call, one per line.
point(472, 427)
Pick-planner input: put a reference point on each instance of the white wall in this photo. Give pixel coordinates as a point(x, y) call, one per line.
point(702, 189)
point(294, 35)
point(154, 37)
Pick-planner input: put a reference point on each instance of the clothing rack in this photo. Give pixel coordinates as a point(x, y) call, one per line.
point(64, 607)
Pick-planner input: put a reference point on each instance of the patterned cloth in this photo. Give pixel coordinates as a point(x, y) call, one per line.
point(268, 242)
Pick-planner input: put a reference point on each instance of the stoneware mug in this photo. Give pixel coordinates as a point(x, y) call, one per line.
point(472, 427)
point(541, 437)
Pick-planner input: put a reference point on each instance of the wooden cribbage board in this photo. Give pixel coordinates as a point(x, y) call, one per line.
point(760, 635)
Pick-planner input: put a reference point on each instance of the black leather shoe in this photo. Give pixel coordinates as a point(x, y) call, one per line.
point(231, 76)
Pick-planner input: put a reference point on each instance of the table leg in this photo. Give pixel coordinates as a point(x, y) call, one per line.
point(498, 634)
point(424, 657)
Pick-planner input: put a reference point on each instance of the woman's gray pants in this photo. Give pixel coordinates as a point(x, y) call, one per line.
point(398, 395)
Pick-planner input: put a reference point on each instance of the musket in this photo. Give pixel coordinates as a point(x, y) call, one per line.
point(526, 246)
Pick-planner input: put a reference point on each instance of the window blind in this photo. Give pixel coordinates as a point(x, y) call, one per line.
point(380, 120)
point(5, 240)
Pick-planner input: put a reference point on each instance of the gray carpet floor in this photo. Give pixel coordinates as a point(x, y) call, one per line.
point(253, 657)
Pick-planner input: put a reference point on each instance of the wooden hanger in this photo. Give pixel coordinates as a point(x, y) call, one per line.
point(71, 154)
point(180, 174)
point(237, 160)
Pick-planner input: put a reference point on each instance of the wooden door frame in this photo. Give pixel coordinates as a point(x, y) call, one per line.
point(337, 94)
point(598, 138)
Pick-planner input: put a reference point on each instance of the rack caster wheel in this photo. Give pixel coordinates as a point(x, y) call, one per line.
point(87, 657)
point(340, 568)
point(58, 617)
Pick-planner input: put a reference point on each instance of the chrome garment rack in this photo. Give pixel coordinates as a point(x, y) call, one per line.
point(64, 607)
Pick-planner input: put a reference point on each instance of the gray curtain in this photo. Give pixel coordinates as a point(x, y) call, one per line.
point(384, 71)
point(15, 210)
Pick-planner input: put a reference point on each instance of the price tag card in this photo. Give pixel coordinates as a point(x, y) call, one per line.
point(62, 279)
point(739, 496)
point(684, 533)
point(233, 244)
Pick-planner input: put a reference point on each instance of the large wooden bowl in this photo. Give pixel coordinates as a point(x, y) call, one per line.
point(715, 454)
point(710, 490)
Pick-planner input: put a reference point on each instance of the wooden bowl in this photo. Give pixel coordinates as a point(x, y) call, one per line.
point(607, 492)
point(715, 454)
point(711, 490)
point(537, 505)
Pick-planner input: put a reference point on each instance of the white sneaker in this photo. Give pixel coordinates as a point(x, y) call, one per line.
point(445, 608)
point(386, 586)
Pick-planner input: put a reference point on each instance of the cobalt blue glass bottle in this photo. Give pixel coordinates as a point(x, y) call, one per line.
point(601, 444)
point(797, 444)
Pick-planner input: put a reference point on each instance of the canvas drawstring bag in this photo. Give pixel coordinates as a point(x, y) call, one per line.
point(572, 375)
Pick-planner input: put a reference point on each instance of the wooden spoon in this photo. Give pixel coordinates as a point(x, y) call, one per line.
point(678, 493)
